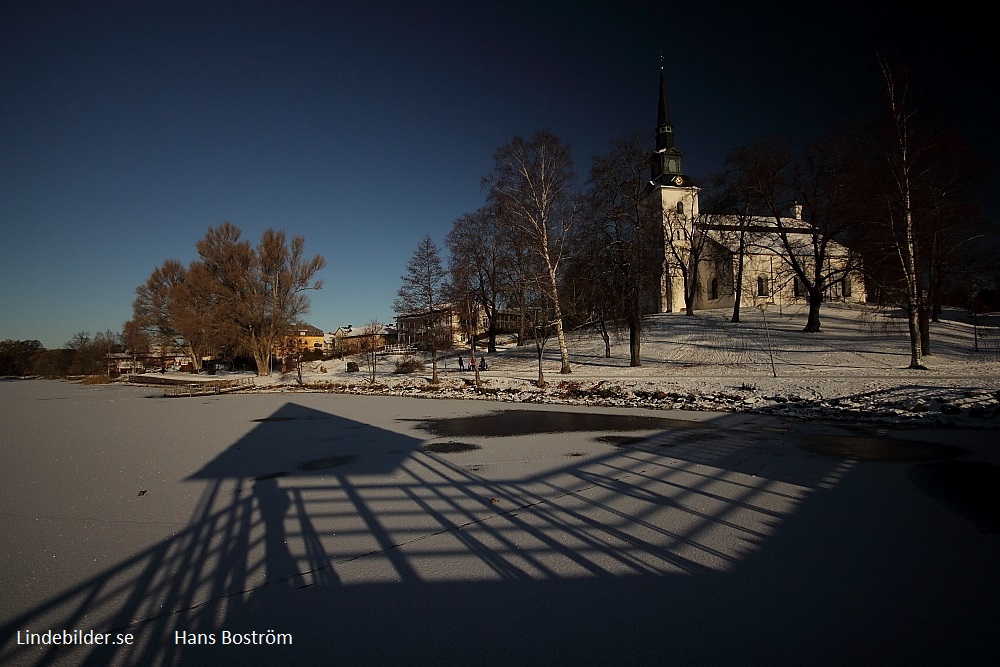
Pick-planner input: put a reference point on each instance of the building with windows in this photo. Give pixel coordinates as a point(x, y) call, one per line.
point(301, 338)
point(349, 340)
point(450, 326)
point(713, 242)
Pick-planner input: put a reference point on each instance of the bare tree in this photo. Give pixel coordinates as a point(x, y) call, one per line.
point(479, 257)
point(465, 292)
point(686, 246)
point(91, 354)
point(923, 218)
point(179, 307)
point(423, 292)
point(370, 344)
point(541, 319)
point(135, 340)
point(819, 177)
point(900, 159)
point(531, 188)
point(738, 205)
point(615, 257)
point(84, 360)
point(260, 288)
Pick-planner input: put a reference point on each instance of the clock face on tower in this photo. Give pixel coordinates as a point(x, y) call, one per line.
point(678, 179)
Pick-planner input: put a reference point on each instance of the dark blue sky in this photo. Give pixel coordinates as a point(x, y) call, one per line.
point(127, 129)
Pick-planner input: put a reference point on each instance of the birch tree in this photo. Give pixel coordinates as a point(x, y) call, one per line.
point(924, 218)
point(531, 188)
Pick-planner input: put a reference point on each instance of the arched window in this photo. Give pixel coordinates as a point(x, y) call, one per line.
point(713, 290)
point(762, 286)
point(796, 287)
point(846, 286)
point(680, 207)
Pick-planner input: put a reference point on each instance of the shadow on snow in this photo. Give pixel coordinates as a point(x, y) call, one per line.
point(686, 545)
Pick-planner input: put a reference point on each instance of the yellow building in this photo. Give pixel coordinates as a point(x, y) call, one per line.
point(303, 338)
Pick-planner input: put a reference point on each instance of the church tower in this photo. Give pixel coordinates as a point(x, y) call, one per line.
point(677, 200)
point(665, 164)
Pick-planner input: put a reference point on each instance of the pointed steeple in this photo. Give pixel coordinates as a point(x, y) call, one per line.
point(664, 129)
point(665, 163)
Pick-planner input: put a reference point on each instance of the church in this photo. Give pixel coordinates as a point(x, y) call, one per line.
point(701, 252)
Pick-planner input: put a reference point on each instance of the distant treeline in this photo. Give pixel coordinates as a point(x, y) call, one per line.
point(83, 355)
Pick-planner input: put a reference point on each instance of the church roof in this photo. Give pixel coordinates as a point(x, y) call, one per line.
point(763, 237)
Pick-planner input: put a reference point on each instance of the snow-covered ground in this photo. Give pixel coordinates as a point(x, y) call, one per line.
point(854, 369)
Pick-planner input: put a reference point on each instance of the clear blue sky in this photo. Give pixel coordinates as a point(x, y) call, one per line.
point(129, 128)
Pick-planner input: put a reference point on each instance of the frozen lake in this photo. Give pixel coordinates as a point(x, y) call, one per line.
point(383, 530)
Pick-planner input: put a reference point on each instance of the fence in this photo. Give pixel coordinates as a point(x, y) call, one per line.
point(207, 388)
point(398, 349)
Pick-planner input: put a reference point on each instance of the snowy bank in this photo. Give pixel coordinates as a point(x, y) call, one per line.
point(854, 369)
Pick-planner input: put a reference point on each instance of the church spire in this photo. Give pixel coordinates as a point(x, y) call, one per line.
point(665, 164)
point(664, 129)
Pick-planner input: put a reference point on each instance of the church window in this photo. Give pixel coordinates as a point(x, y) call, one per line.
point(680, 207)
point(846, 286)
point(796, 287)
point(762, 286)
point(713, 291)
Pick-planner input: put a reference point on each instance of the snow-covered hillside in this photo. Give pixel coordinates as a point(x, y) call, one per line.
point(855, 368)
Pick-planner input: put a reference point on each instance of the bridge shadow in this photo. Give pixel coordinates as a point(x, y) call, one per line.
point(678, 544)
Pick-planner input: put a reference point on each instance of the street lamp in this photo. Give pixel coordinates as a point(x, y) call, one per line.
point(767, 333)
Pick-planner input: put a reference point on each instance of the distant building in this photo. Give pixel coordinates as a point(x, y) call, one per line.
point(767, 275)
point(349, 340)
point(451, 326)
point(443, 323)
point(301, 338)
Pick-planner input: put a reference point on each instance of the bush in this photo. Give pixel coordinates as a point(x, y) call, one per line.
point(409, 365)
point(96, 379)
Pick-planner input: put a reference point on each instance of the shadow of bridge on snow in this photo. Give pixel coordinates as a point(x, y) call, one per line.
point(367, 549)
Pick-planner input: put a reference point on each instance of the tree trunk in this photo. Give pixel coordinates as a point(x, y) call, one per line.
point(815, 302)
point(195, 358)
point(912, 320)
point(634, 344)
point(560, 334)
point(690, 288)
point(606, 336)
point(263, 364)
point(738, 285)
point(522, 325)
point(908, 256)
point(923, 320)
point(472, 360)
point(491, 341)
